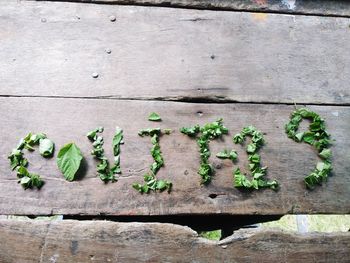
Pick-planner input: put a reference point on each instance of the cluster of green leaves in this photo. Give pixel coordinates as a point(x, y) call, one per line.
point(151, 182)
point(19, 162)
point(209, 131)
point(69, 160)
point(316, 136)
point(258, 172)
point(104, 171)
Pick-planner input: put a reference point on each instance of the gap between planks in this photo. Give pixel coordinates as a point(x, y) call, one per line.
point(181, 99)
point(199, 6)
point(198, 223)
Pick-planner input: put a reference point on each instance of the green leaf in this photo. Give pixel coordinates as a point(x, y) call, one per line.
point(35, 138)
point(309, 137)
point(154, 139)
point(238, 138)
point(299, 136)
point(107, 177)
point(102, 167)
point(321, 166)
point(117, 140)
point(46, 147)
point(223, 155)
point(149, 132)
point(258, 175)
point(251, 148)
point(116, 170)
point(227, 155)
point(92, 134)
point(161, 185)
point(233, 155)
point(240, 180)
point(25, 181)
point(326, 153)
point(249, 130)
point(311, 180)
point(154, 117)
point(138, 187)
point(36, 181)
point(254, 183)
point(255, 158)
point(167, 131)
point(68, 160)
point(191, 131)
point(22, 172)
point(268, 184)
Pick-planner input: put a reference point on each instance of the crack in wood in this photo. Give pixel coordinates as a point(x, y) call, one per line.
point(43, 247)
point(274, 7)
point(182, 99)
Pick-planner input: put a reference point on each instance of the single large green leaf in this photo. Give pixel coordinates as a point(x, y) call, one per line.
point(68, 160)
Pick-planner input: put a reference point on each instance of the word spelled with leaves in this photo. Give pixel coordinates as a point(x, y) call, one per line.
point(69, 157)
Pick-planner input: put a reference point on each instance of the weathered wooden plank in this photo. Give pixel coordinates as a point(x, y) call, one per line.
point(52, 49)
point(312, 7)
point(104, 241)
point(66, 120)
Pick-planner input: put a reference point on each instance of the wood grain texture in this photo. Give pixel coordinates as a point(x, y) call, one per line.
point(52, 49)
point(104, 241)
point(312, 7)
point(66, 120)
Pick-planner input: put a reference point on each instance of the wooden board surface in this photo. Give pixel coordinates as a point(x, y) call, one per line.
point(312, 7)
point(103, 241)
point(66, 120)
point(52, 49)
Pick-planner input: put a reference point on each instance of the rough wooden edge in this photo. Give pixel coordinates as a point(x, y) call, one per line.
point(306, 7)
point(104, 241)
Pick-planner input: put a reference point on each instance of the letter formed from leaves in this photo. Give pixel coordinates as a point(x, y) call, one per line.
point(68, 160)
point(152, 183)
point(316, 136)
point(208, 132)
point(104, 171)
point(19, 162)
point(258, 172)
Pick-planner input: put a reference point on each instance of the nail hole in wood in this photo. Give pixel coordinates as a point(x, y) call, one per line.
point(218, 166)
point(213, 196)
